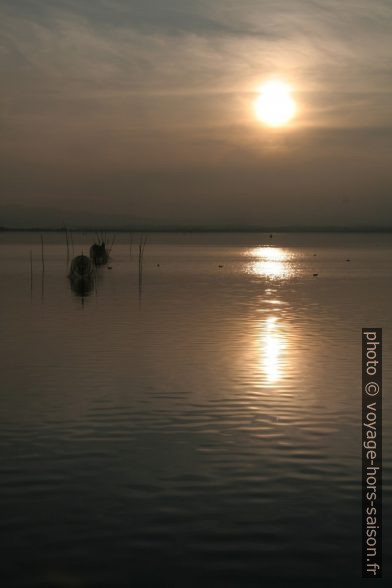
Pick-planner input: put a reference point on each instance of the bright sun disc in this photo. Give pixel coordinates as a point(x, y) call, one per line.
point(275, 106)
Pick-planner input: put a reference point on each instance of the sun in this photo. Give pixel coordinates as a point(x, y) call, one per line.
point(275, 107)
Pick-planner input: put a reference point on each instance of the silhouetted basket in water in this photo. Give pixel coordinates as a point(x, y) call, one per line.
point(99, 254)
point(81, 267)
point(81, 275)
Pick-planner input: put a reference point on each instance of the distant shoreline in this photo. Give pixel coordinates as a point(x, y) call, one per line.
point(147, 229)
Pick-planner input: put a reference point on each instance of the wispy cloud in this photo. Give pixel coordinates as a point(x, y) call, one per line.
point(128, 88)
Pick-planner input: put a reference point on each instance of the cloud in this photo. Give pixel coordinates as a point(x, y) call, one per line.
point(148, 96)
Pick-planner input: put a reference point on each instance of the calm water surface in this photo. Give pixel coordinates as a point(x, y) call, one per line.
point(202, 431)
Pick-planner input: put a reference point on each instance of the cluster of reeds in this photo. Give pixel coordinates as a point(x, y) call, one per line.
point(104, 238)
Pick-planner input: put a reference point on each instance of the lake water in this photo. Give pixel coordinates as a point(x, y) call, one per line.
point(202, 430)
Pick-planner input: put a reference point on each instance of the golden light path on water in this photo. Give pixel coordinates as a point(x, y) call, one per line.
point(272, 346)
point(275, 264)
point(271, 262)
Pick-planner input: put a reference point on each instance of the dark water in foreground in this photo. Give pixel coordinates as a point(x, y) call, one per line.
point(206, 433)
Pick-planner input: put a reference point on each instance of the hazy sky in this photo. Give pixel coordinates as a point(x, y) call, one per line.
point(123, 111)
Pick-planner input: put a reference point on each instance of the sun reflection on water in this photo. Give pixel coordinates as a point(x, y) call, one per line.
point(271, 262)
point(273, 345)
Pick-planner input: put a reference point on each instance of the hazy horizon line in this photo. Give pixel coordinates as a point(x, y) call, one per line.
point(193, 229)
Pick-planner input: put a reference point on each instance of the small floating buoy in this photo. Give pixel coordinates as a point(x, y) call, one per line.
point(347, 260)
point(315, 275)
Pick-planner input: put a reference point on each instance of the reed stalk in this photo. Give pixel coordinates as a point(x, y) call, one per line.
point(42, 254)
point(67, 242)
point(130, 244)
point(142, 244)
point(31, 273)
